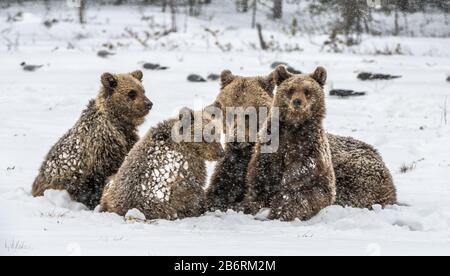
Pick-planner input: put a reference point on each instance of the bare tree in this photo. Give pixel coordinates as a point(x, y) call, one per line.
point(254, 7)
point(242, 5)
point(277, 9)
point(82, 12)
point(262, 42)
point(173, 11)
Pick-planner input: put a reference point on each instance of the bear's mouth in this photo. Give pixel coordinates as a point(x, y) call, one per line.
point(297, 115)
point(298, 111)
point(145, 112)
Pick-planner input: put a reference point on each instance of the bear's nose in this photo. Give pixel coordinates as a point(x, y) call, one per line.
point(149, 104)
point(297, 103)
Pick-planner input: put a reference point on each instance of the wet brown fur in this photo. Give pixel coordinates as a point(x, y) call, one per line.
point(298, 180)
point(363, 180)
point(162, 178)
point(228, 183)
point(96, 146)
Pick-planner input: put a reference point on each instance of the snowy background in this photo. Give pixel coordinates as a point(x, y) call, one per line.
point(405, 119)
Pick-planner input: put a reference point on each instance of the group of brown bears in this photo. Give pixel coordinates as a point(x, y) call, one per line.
point(102, 162)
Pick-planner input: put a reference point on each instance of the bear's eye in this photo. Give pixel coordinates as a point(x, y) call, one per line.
point(132, 94)
point(291, 92)
point(307, 92)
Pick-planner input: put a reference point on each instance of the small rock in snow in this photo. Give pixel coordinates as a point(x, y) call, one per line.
point(195, 78)
point(289, 68)
point(278, 63)
point(154, 66)
point(365, 76)
point(343, 93)
point(104, 54)
point(213, 77)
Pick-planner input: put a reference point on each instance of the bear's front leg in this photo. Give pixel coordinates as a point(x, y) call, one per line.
point(87, 191)
point(263, 180)
point(228, 183)
point(298, 200)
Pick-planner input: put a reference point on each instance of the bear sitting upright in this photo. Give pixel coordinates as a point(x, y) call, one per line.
point(163, 177)
point(298, 180)
point(96, 146)
point(362, 177)
point(228, 183)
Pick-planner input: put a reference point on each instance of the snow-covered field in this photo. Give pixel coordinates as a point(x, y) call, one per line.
point(404, 119)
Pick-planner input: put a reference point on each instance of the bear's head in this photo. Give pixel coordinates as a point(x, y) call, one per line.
point(204, 137)
point(123, 95)
point(300, 98)
point(244, 93)
point(237, 91)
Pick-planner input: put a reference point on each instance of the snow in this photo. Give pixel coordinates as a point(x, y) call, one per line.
point(135, 214)
point(403, 118)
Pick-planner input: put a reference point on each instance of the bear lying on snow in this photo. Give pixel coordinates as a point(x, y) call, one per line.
point(298, 180)
point(96, 146)
point(362, 178)
point(163, 178)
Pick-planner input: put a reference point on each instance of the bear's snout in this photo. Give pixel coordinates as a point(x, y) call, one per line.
point(148, 104)
point(297, 103)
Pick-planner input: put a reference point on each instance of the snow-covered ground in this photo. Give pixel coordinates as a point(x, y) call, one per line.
point(404, 119)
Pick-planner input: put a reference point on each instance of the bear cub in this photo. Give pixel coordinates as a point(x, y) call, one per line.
point(164, 178)
point(362, 177)
point(228, 182)
point(94, 149)
point(297, 181)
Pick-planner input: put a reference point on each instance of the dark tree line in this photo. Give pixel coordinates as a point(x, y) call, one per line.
point(276, 6)
point(354, 16)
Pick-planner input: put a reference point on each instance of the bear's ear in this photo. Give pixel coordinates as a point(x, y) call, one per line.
point(109, 81)
point(138, 75)
point(320, 75)
point(226, 78)
point(280, 75)
point(268, 84)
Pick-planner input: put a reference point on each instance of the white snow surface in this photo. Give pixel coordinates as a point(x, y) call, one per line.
point(404, 119)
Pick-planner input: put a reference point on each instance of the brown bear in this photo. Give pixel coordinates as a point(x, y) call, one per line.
point(93, 150)
point(362, 178)
point(298, 180)
point(163, 178)
point(358, 185)
point(228, 183)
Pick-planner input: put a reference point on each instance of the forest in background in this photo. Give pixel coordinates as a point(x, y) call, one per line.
point(353, 16)
point(344, 23)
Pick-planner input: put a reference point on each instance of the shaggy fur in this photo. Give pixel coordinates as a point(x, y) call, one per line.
point(161, 178)
point(228, 183)
point(298, 180)
point(363, 180)
point(96, 146)
point(358, 185)
point(229, 178)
